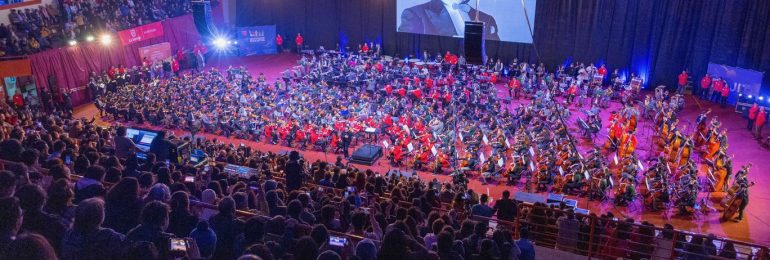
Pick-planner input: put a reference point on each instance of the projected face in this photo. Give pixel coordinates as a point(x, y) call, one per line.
point(424, 17)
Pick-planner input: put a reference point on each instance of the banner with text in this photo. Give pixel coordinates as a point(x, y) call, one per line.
point(155, 52)
point(256, 40)
point(740, 80)
point(141, 33)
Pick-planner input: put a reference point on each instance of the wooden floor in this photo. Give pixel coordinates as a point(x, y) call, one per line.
point(754, 228)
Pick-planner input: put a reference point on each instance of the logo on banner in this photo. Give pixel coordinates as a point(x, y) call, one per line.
point(133, 33)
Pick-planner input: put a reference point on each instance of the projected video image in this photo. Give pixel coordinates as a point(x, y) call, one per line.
point(504, 20)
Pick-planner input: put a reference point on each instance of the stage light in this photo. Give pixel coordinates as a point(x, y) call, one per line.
point(90, 38)
point(106, 39)
point(73, 42)
point(761, 98)
point(740, 95)
point(220, 43)
point(749, 96)
point(235, 42)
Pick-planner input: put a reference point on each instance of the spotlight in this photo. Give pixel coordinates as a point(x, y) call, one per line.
point(90, 38)
point(106, 39)
point(750, 96)
point(740, 95)
point(73, 42)
point(220, 43)
point(235, 42)
point(761, 98)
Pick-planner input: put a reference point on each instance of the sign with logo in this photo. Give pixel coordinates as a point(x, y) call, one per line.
point(740, 80)
point(155, 52)
point(256, 40)
point(141, 33)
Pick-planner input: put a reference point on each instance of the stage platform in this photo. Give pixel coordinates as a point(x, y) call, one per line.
point(754, 228)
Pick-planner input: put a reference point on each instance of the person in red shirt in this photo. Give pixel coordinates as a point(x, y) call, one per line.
point(365, 48)
point(417, 94)
point(402, 92)
point(716, 91)
point(759, 123)
point(111, 72)
point(299, 41)
point(571, 92)
point(279, 43)
point(681, 82)
point(388, 89)
point(18, 100)
point(513, 87)
point(752, 116)
point(725, 93)
point(175, 67)
point(705, 84)
point(602, 71)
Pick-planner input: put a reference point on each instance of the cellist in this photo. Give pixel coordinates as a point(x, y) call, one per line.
point(627, 144)
point(702, 129)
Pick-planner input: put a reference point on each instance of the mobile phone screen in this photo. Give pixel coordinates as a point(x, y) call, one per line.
point(337, 241)
point(178, 245)
point(189, 178)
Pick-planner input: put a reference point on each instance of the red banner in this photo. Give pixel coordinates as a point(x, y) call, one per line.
point(155, 52)
point(141, 33)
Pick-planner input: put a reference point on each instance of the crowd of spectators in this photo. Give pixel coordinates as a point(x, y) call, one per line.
point(290, 209)
point(46, 26)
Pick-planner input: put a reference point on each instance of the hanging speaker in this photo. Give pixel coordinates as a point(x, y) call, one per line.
point(474, 43)
point(202, 17)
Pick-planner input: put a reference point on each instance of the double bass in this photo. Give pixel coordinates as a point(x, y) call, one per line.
point(731, 202)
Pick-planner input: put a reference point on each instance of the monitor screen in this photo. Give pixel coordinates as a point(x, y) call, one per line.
point(130, 133)
point(147, 138)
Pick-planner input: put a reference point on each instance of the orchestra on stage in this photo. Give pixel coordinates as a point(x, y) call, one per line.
point(507, 125)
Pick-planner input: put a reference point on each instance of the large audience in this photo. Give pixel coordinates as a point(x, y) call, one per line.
point(47, 26)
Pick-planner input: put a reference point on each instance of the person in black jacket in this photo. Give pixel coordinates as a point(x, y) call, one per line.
point(160, 146)
point(228, 228)
point(294, 173)
point(505, 207)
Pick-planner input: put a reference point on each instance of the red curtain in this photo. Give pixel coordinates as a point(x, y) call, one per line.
point(70, 66)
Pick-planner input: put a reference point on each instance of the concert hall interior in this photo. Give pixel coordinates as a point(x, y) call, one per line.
point(440, 129)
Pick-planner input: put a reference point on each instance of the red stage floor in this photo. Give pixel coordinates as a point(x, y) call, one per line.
point(755, 227)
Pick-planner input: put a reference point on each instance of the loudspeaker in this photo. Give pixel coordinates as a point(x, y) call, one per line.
point(474, 43)
point(202, 17)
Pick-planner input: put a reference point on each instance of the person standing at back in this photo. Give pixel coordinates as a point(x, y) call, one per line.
point(505, 207)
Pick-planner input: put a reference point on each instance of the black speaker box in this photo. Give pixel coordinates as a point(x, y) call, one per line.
point(202, 17)
point(474, 43)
